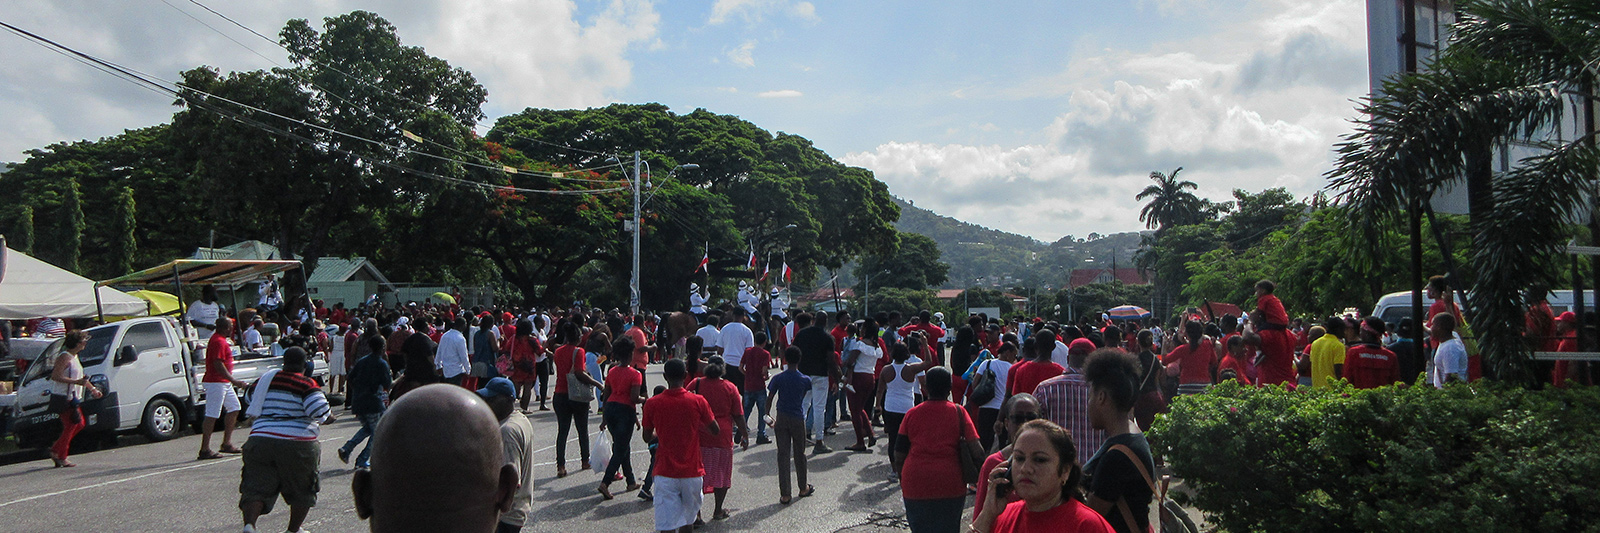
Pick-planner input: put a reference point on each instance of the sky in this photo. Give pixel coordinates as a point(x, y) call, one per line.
point(1043, 117)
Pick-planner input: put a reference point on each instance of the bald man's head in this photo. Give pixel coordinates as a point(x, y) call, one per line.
point(437, 465)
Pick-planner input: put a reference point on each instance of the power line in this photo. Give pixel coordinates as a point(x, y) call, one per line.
point(145, 81)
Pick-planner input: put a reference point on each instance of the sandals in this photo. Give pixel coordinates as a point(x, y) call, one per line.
point(206, 455)
point(230, 449)
point(809, 491)
point(721, 515)
point(785, 500)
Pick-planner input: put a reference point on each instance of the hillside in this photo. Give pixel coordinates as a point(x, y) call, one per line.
point(1003, 259)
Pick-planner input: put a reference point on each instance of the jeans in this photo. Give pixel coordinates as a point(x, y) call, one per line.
point(369, 424)
point(619, 421)
point(791, 433)
point(816, 406)
point(568, 414)
point(942, 515)
point(757, 398)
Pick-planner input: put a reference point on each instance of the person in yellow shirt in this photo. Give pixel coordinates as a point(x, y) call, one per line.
point(1327, 354)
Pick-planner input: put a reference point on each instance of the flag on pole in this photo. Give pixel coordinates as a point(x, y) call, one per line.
point(788, 275)
point(752, 261)
point(766, 269)
point(704, 260)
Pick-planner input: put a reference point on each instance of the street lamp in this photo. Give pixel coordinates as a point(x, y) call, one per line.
point(866, 295)
point(633, 284)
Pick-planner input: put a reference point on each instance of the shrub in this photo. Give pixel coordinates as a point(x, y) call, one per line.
point(1479, 457)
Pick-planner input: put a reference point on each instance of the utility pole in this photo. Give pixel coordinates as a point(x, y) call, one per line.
point(633, 285)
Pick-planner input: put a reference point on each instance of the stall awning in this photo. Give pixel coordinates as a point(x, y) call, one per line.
point(204, 272)
point(30, 288)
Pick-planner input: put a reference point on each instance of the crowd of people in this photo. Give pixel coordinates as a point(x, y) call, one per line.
point(1042, 422)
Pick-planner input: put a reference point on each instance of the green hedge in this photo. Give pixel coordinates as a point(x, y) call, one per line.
point(1481, 457)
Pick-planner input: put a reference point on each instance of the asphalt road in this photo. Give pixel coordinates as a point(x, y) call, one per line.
point(141, 486)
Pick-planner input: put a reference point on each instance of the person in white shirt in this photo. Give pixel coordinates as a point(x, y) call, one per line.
point(747, 297)
point(252, 335)
point(736, 337)
point(697, 303)
point(203, 313)
point(710, 334)
point(452, 358)
point(270, 298)
point(1058, 355)
point(1450, 360)
point(775, 298)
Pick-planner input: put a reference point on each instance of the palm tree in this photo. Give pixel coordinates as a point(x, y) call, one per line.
point(1171, 203)
point(1511, 67)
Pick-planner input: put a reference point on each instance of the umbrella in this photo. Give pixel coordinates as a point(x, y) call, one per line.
point(444, 297)
point(161, 303)
point(1128, 312)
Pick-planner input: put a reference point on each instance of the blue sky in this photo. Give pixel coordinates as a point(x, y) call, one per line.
point(1042, 118)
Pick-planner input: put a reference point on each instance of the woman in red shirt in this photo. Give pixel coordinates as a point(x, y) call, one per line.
point(624, 391)
point(569, 359)
point(523, 349)
point(1045, 475)
point(926, 454)
point(1196, 360)
point(716, 451)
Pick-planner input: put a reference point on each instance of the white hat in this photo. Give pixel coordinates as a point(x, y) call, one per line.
point(694, 287)
point(743, 285)
point(775, 292)
point(939, 315)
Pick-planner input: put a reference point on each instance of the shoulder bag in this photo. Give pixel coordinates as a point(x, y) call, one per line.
point(984, 390)
point(577, 390)
point(969, 451)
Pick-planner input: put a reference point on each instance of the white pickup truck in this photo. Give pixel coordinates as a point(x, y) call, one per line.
point(150, 375)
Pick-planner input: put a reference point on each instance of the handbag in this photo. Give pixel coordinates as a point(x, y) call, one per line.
point(62, 402)
point(984, 391)
point(971, 460)
point(577, 390)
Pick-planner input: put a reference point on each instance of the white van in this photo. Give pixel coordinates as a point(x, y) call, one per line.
point(1397, 305)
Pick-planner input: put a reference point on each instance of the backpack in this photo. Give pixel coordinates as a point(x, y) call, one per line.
point(984, 391)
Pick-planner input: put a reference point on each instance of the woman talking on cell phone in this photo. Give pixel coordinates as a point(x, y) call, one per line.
point(1044, 472)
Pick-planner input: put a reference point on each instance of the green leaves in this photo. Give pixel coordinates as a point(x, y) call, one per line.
point(1467, 458)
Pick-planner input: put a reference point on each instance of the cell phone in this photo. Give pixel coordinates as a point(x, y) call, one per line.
point(1003, 491)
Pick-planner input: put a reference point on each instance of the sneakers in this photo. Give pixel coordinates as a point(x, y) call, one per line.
point(644, 494)
point(344, 456)
point(763, 439)
point(821, 448)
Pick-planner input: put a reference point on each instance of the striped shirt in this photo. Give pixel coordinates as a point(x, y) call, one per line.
point(1065, 401)
point(294, 409)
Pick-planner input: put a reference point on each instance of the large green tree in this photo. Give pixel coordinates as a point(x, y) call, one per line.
point(912, 264)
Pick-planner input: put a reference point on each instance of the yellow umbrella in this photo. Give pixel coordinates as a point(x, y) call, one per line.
point(444, 297)
point(161, 303)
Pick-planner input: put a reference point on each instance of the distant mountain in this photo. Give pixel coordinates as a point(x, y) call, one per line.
point(980, 256)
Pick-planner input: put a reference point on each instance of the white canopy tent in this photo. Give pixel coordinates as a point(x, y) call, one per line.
point(30, 288)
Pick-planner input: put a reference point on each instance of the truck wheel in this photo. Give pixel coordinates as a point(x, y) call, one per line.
point(161, 420)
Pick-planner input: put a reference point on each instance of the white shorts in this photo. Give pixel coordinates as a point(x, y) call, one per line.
point(677, 501)
point(220, 396)
point(336, 363)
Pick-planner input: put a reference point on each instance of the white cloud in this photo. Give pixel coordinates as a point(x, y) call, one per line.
point(742, 55)
point(785, 93)
point(756, 10)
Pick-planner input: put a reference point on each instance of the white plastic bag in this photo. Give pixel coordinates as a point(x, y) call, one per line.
point(599, 452)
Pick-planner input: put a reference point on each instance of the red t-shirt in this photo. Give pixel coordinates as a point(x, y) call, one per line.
point(932, 470)
point(725, 404)
point(1071, 515)
point(1369, 366)
point(564, 356)
point(676, 417)
point(989, 465)
point(1011, 376)
point(1195, 364)
point(620, 380)
point(1228, 361)
point(838, 333)
point(755, 364)
point(1032, 375)
point(1563, 369)
point(1272, 311)
point(641, 355)
point(219, 357)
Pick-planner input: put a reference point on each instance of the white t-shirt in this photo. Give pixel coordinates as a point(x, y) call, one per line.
point(697, 303)
point(1059, 355)
point(252, 338)
point(204, 313)
point(1451, 358)
point(709, 334)
point(1000, 369)
point(735, 338)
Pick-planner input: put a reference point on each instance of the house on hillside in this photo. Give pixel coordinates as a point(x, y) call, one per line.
point(1089, 276)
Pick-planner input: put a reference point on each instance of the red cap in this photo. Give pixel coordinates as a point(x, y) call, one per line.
point(1568, 316)
point(1080, 346)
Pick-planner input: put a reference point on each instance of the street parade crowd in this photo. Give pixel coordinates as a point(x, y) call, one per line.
point(1041, 422)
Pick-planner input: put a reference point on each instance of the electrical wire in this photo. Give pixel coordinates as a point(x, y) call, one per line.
point(145, 81)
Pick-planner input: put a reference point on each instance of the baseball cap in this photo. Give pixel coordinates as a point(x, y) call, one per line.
point(1568, 316)
point(498, 387)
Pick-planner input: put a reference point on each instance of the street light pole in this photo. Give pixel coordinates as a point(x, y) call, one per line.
point(633, 284)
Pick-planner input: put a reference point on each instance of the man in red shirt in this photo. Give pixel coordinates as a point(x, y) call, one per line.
point(1566, 324)
point(218, 382)
point(755, 364)
point(674, 419)
point(1369, 365)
